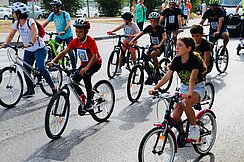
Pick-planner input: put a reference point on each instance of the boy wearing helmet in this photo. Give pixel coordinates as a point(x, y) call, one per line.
point(62, 23)
point(218, 27)
point(172, 19)
point(130, 28)
point(34, 45)
point(157, 39)
point(90, 59)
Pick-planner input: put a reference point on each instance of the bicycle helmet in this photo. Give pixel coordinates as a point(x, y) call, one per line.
point(82, 23)
point(172, 1)
point(127, 16)
point(214, 2)
point(153, 15)
point(19, 6)
point(56, 2)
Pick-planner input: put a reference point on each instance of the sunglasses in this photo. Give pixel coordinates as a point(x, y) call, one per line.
point(54, 6)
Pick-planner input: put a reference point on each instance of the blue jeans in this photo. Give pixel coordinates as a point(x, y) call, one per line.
point(39, 56)
point(71, 53)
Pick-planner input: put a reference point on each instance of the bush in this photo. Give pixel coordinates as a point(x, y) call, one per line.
point(109, 7)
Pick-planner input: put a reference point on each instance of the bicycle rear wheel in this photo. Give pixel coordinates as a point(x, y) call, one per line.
point(208, 99)
point(57, 115)
point(156, 146)
point(163, 68)
point(222, 61)
point(113, 63)
point(104, 99)
point(135, 83)
point(208, 131)
point(11, 86)
point(57, 77)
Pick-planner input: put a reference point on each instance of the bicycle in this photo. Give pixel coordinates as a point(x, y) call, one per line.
point(160, 143)
point(113, 61)
point(11, 82)
point(135, 81)
point(221, 60)
point(52, 51)
point(58, 109)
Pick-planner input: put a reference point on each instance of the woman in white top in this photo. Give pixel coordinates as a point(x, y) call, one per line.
point(34, 45)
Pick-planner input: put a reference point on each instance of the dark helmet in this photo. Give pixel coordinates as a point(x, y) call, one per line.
point(82, 23)
point(56, 2)
point(153, 15)
point(127, 16)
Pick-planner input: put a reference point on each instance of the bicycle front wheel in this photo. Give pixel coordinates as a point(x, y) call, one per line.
point(56, 76)
point(104, 99)
point(208, 131)
point(208, 99)
point(135, 83)
point(156, 146)
point(222, 60)
point(11, 86)
point(57, 115)
point(113, 63)
point(163, 68)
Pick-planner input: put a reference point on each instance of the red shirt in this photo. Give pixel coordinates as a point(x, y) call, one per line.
point(85, 50)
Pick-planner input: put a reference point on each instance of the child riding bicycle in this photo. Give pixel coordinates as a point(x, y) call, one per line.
point(90, 60)
point(130, 29)
point(157, 39)
point(190, 68)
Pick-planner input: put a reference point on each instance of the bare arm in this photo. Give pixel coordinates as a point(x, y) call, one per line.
point(202, 21)
point(137, 36)
point(116, 29)
point(164, 79)
point(45, 23)
point(161, 20)
point(10, 36)
point(221, 20)
point(68, 24)
point(61, 54)
point(34, 32)
point(237, 8)
point(207, 56)
point(179, 21)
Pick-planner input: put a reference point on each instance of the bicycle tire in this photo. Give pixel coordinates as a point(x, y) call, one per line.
point(57, 77)
point(157, 147)
point(208, 131)
point(222, 61)
point(57, 114)
point(163, 68)
point(134, 81)
point(209, 94)
point(104, 99)
point(10, 94)
point(113, 63)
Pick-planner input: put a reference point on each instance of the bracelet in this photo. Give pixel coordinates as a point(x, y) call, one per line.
point(64, 31)
point(31, 43)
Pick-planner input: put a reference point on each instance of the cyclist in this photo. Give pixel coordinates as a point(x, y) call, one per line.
point(62, 23)
point(189, 67)
point(172, 18)
point(34, 45)
point(130, 28)
point(90, 59)
point(218, 27)
point(203, 46)
point(157, 39)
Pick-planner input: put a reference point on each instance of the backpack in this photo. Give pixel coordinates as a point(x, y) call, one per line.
point(41, 30)
point(63, 16)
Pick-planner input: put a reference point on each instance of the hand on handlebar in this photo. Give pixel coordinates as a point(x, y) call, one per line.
point(216, 34)
point(3, 45)
point(109, 32)
point(51, 63)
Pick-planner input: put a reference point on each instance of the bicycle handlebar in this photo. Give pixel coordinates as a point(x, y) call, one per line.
point(51, 33)
point(121, 35)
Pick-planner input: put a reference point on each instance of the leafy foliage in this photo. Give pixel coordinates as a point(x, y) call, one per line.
point(152, 5)
point(109, 7)
point(71, 6)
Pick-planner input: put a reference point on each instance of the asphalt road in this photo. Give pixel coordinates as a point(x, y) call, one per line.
point(23, 138)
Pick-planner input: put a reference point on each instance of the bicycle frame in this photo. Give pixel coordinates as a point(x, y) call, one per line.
point(17, 64)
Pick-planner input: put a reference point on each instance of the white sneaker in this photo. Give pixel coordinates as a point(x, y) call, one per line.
point(194, 132)
point(119, 71)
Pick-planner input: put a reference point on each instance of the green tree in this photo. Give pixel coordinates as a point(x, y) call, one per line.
point(152, 5)
point(109, 7)
point(71, 6)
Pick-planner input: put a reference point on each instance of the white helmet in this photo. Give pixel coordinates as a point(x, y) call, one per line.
point(23, 8)
point(172, 1)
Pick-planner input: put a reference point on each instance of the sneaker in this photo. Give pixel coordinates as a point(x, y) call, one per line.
point(194, 132)
point(148, 81)
point(119, 71)
point(81, 111)
point(28, 93)
point(89, 104)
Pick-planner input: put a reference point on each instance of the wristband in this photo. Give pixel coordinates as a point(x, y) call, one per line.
point(31, 43)
point(64, 31)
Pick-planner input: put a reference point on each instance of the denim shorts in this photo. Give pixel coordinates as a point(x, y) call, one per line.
point(199, 88)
